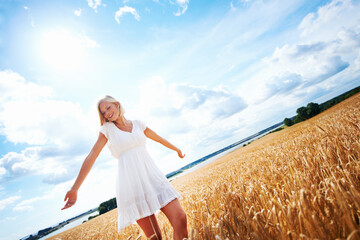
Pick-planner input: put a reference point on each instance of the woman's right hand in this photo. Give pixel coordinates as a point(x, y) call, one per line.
point(71, 197)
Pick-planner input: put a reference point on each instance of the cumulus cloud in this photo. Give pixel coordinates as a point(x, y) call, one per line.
point(43, 112)
point(126, 9)
point(281, 84)
point(26, 205)
point(309, 60)
point(55, 168)
point(8, 201)
point(55, 130)
point(180, 100)
point(2, 173)
point(337, 14)
point(58, 166)
point(16, 164)
point(190, 115)
point(183, 6)
point(14, 86)
point(78, 12)
point(220, 103)
point(316, 58)
point(95, 3)
point(314, 62)
point(32, 22)
point(8, 219)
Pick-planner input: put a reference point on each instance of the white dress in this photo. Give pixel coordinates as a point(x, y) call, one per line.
point(141, 188)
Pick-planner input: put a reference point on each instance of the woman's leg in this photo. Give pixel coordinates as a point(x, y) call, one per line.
point(150, 227)
point(177, 217)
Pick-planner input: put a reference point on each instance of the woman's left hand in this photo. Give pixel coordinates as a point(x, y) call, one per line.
point(180, 154)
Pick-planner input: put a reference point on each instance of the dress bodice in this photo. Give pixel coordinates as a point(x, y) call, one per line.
point(120, 141)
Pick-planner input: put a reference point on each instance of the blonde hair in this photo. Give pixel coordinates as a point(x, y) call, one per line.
point(109, 99)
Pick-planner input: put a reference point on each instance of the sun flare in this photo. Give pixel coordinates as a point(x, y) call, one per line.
point(63, 50)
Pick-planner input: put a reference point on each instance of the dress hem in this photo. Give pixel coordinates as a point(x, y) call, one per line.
point(149, 214)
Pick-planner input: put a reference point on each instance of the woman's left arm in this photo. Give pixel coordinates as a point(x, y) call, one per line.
point(153, 136)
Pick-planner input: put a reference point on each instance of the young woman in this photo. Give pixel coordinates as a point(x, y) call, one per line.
point(141, 187)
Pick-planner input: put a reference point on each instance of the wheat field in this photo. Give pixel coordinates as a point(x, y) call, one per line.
point(299, 183)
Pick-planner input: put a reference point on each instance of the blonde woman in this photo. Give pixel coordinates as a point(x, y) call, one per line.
point(141, 188)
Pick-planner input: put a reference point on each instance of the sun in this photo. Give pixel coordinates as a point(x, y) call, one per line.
point(63, 50)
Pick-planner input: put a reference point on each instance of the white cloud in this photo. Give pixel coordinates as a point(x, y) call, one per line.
point(126, 9)
point(196, 102)
point(58, 128)
point(314, 62)
point(13, 86)
point(17, 164)
point(338, 14)
point(317, 60)
point(8, 201)
point(8, 219)
point(95, 3)
point(232, 6)
point(183, 4)
point(42, 119)
point(32, 22)
point(78, 12)
point(2, 172)
point(26, 205)
point(193, 118)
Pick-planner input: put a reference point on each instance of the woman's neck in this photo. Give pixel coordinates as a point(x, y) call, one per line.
point(121, 120)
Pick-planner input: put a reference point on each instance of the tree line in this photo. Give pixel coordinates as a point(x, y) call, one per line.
point(312, 109)
point(107, 206)
point(104, 207)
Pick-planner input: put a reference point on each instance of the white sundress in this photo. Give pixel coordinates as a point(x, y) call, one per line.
point(141, 188)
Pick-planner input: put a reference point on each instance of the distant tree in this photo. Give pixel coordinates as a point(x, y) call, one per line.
point(107, 206)
point(288, 122)
point(302, 113)
point(91, 217)
point(325, 106)
point(312, 109)
point(102, 210)
point(297, 119)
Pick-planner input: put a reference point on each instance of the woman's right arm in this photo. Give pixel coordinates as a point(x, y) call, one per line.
point(71, 195)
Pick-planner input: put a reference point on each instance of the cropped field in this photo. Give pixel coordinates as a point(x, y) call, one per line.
point(300, 183)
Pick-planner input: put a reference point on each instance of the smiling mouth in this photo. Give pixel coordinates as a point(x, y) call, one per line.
point(111, 115)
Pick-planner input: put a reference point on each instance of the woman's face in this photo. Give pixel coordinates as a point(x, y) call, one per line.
point(109, 110)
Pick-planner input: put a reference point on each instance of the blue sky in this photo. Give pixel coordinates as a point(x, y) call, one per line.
point(202, 74)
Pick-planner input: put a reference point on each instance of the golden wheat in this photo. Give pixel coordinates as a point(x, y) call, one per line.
point(300, 183)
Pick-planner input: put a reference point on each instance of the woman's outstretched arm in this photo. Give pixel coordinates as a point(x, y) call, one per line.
point(153, 136)
point(71, 195)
